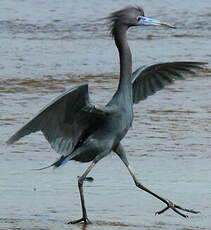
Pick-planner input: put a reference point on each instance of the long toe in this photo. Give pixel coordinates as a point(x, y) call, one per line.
point(174, 207)
point(84, 220)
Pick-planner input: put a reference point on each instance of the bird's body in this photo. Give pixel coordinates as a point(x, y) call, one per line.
point(81, 131)
point(118, 112)
point(105, 138)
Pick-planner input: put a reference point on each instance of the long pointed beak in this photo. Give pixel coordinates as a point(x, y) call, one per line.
point(151, 21)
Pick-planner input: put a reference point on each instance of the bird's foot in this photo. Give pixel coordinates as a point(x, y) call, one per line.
point(85, 220)
point(90, 179)
point(174, 207)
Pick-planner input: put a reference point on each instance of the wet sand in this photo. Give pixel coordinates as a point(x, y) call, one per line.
point(57, 45)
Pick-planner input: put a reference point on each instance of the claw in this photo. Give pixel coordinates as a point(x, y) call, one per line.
point(161, 211)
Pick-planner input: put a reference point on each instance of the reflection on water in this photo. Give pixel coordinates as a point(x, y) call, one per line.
point(60, 44)
point(52, 83)
point(68, 38)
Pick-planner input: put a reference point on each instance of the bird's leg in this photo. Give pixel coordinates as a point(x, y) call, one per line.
point(81, 179)
point(169, 204)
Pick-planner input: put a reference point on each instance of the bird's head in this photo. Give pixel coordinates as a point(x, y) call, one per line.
point(132, 16)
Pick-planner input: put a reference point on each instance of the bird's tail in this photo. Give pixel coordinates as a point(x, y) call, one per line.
point(61, 161)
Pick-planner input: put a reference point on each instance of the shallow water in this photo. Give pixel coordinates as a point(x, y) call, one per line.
point(49, 46)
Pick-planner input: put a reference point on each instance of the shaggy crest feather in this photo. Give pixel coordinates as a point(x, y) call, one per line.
point(115, 17)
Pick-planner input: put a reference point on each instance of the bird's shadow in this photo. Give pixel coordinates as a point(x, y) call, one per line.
point(80, 226)
point(84, 226)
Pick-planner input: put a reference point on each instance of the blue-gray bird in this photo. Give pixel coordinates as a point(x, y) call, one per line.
point(81, 131)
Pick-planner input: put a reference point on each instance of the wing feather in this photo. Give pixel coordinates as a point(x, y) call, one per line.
point(147, 80)
point(65, 120)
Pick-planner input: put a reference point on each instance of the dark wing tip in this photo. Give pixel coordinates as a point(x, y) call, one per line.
point(199, 64)
point(55, 165)
point(9, 142)
point(12, 139)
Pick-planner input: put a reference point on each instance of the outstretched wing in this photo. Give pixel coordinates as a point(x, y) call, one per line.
point(147, 80)
point(65, 120)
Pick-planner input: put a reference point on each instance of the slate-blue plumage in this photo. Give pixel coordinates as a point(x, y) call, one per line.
point(81, 131)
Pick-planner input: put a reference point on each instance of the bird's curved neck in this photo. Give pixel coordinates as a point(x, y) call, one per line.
point(124, 88)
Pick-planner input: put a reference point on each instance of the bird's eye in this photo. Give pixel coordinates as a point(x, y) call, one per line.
point(139, 18)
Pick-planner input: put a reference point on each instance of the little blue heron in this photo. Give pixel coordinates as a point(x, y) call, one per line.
point(81, 131)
